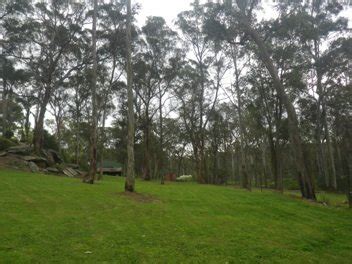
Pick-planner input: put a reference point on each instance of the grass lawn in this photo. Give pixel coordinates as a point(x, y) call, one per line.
point(49, 219)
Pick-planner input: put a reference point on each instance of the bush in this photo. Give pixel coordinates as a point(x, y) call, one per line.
point(5, 143)
point(291, 184)
point(8, 134)
point(49, 141)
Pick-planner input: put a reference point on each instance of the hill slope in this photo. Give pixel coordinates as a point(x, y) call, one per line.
point(46, 219)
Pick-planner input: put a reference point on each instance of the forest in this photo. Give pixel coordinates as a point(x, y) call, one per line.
point(227, 94)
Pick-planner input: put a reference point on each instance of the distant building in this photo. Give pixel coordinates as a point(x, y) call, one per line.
point(110, 168)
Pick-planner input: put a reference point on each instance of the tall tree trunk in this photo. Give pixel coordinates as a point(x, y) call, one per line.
point(245, 182)
point(322, 118)
point(161, 139)
point(265, 167)
point(26, 124)
point(102, 139)
point(331, 161)
point(274, 161)
point(146, 158)
point(90, 177)
point(39, 125)
point(233, 164)
point(305, 181)
point(346, 148)
point(129, 183)
point(4, 106)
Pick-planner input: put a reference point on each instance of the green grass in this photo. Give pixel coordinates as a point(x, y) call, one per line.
point(48, 219)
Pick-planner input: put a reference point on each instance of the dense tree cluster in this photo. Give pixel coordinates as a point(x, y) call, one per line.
point(224, 94)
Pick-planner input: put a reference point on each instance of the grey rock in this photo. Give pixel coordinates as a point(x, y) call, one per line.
point(53, 170)
point(33, 166)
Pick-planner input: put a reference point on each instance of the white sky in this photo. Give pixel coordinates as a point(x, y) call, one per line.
point(168, 9)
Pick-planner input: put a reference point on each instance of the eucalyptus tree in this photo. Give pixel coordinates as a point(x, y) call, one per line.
point(78, 107)
point(154, 72)
point(112, 53)
point(129, 183)
point(59, 107)
point(339, 102)
point(220, 137)
point(93, 138)
point(11, 77)
point(312, 24)
point(47, 42)
point(200, 81)
point(240, 14)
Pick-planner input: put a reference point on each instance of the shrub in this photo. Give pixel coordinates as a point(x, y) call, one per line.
point(8, 134)
point(49, 141)
point(291, 184)
point(5, 143)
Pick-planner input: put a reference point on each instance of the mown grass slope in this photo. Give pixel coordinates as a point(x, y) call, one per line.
point(46, 219)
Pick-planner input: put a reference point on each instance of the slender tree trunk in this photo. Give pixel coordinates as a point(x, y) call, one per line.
point(245, 183)
point(26, 124)
point(4, 106)
point(233, 164)
point(331, 161)
point(161, 139)
point(39, 125)
point(346, 147)
point(102, 138)
point(279, 160)
point(305, 181)
point(322, 120)
point(146, 159)
point(265, 167)
point(77, 145)
point(129, 183)
point(90, 177)
point(274, 161)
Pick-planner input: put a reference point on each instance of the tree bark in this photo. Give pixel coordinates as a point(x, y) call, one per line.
point(102, 139)
point(90, 177)
point(129, 183)
point(39, 125)
point(26, 124)
point(146, 158)
point(245, 183)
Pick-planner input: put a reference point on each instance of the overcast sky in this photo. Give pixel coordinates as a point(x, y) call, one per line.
point(167, 9)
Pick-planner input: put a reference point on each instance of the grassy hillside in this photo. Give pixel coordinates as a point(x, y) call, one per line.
point(45, 219)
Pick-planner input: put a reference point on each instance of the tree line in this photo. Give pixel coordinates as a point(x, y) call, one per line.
point(224, 94)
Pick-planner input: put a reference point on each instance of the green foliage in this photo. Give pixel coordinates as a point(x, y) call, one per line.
point(49, 141)
point(291, 184)
point(5, 143)
point(46, 219)
point(8, 134)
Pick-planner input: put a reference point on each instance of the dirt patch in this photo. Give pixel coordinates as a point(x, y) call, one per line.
point(139, 197)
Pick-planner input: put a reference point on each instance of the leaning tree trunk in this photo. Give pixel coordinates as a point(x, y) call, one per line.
point(129, 184)
point(90, 177)
point(305, 181)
